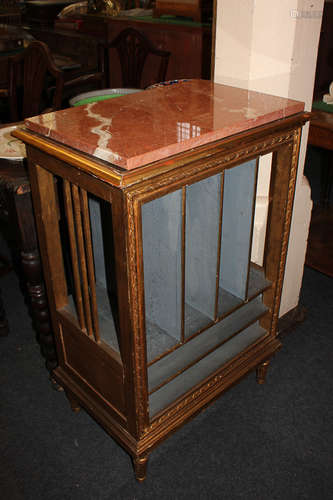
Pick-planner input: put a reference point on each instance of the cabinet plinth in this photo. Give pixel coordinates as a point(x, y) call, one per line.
point(157, 305)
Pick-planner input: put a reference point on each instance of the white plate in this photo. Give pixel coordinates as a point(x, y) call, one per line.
point(10, 147)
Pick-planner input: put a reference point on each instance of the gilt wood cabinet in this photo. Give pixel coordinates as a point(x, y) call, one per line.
point(145, 209)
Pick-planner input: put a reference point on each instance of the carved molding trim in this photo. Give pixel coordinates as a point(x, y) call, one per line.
point(135, 291)
point(286, 229)
point(220, 159)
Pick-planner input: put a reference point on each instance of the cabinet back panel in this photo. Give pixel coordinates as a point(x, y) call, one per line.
point(238, 203)
point(201, 243)
point(162, 240)
point(97, 240)
point(257, 283)
point(202, 344)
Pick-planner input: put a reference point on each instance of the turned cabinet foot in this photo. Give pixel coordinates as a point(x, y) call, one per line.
point(262, 371)
point(73, 402)
point(140, 467)
point(54, 384)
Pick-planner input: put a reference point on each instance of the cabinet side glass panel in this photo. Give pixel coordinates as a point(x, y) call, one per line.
point(86, 233)
point(162, 250)
point(105, 274)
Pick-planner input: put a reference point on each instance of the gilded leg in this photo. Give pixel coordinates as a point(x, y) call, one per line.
point(261, 372)
point(140, 467)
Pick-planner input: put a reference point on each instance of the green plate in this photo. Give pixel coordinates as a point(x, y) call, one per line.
point(96, 98)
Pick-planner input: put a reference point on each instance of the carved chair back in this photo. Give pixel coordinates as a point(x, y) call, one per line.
point(133, 48)
point(32, 73)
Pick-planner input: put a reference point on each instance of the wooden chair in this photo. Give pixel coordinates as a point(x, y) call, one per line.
point(32, 77)
point(31, 73)
point(37, 85)
point(133, 49)
point(18, 226)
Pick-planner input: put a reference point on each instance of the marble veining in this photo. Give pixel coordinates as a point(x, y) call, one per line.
point(104, 135)
point(137, 129)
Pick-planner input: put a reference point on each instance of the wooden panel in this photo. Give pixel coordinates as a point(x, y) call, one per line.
point(46, 211)
point(93, 364)
point(321, 130)
point(283, 178)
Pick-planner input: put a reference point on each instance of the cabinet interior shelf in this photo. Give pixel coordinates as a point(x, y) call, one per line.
point(178, 386)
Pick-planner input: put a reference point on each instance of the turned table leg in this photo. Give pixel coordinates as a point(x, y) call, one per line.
point(140, 467)
point(262, 371)
point(33, 277)
point(19, 222)
point(31, 267)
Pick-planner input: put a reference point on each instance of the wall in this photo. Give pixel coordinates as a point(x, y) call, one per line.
point(271, 46)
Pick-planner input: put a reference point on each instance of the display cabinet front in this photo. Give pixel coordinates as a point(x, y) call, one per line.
point(202, 293)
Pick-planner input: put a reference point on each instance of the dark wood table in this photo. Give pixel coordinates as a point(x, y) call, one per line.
point(17, 221)
point(320, 243)
point(321, 130)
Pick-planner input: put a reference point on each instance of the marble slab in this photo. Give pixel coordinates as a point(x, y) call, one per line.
point(138, 129)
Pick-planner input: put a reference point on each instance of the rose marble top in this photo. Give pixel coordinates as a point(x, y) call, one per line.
point(137, 129)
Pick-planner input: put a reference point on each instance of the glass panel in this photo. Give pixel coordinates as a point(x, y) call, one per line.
point(103, 252)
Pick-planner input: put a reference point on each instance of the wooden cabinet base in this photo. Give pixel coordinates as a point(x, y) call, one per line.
point(179, 413)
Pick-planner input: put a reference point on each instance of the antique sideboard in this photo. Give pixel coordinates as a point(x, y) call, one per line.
point(144, 207)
